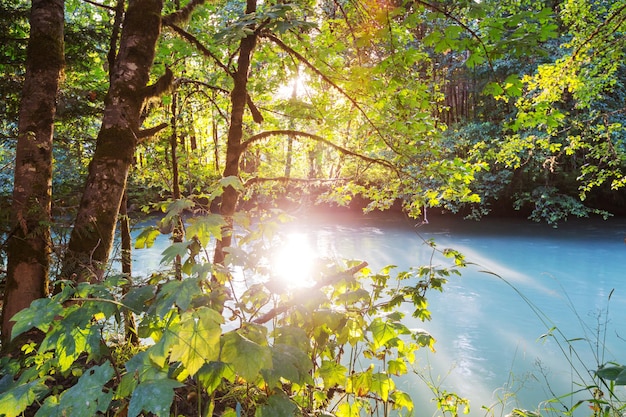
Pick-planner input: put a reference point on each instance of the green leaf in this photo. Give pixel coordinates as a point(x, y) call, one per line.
point(278, 405)
point(397, 367)
point(198, 339)
point(40, 314)
point(176, 292)
point(288, 363)
point(175, 249)
point(246, 357)
point(153, 396)
point(89, 396)
point(14, 401)
point(212, 373)
point(206, 227)
point(616, 373)
point(177, 207)
point(401, 399)
point(231, 181)
point(292, 336)
point(382, 332)
point(147, 237)
point(382, 385)
point(136, 298)
point(332, 373)
point(360, 383)
point(144, 368)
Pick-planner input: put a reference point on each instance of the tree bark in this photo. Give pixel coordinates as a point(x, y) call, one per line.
point(239, 97)
point(28, 249)
point(92, 237)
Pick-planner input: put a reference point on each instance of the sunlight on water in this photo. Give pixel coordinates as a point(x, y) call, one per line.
point(491, 345)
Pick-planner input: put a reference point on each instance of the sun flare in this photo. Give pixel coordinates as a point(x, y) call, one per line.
point(293, 262)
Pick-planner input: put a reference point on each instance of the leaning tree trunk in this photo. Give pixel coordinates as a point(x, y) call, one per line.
point(239, 97)
point(92, 237)
point(28, 249)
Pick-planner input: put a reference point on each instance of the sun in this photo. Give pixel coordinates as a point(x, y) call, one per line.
point(292, 263)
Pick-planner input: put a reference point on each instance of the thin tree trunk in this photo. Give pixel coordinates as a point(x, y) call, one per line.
point(92, 237)
point(239, 97)
point(28, 249)
point(178, 231)
point(130, 327)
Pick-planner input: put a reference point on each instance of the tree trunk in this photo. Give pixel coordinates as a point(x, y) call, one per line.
point(28, 249)
point(130, 327)
point(178, 231)
point(238, 99)
point(92, 237)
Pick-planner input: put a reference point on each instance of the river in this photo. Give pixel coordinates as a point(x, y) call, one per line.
point(492, 324)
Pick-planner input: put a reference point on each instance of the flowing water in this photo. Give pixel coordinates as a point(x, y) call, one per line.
point(493, 324)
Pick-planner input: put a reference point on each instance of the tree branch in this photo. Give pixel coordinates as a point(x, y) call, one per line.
point(144, 134)
point(599, 28)
point(104, 6)
point(181, 16)
point(292, 179)
point(296, 133)
point(313, 68)
point(330, 280)
point(195, 42)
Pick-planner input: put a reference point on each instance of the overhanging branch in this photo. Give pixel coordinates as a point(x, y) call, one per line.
point(330, 280)
point(297, 133)
point(313, 68)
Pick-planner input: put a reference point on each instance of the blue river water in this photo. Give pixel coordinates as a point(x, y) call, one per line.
point(534, 314)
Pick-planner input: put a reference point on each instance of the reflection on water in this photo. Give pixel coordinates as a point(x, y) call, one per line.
point(489, 339)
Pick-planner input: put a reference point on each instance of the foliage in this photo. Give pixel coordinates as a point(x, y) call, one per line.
point(261, 349)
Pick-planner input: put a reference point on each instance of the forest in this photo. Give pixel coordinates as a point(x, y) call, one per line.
point(220, 119)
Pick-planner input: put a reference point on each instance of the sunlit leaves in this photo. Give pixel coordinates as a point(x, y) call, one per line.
point(18, 397)
point(212, 374)
point(332, 373)
point(246, 356)
point(206, 227)
point(198, 339)
point(288, 364)
point(147, 237)
point(383, 331)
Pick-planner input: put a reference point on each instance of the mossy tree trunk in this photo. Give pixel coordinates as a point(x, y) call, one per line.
point(239, 97)
point(92, 237)
point(28, 249)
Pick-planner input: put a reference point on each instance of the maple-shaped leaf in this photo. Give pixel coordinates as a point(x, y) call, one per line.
point(154, 396)
point(88, 397)
point(198, 339)
point(15, 400)
point(246, 356)
point(332, 373)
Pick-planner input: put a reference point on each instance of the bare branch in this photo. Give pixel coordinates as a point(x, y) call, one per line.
point(292, 179)
point(195, 42)
point(469, 30)
point(313, 68)
point(181, 16)
point(600, 27)
point(144, 134)
point(330, 280)
point(104, 6)
point(296, 133)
